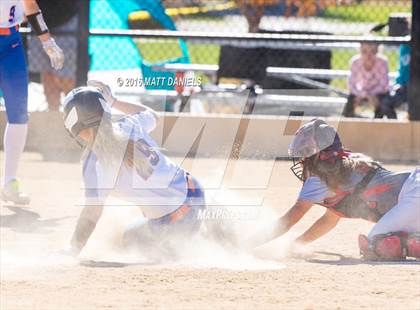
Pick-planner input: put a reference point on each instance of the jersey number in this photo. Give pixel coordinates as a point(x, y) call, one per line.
point(149, 153)
point(12, 14)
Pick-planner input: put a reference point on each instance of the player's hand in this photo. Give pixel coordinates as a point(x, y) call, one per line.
point(54, 52)
point(104, 89)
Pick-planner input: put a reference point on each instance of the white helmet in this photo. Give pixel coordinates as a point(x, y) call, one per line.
point(310, 139)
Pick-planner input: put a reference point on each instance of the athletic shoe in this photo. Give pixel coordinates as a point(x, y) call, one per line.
point(11, 193)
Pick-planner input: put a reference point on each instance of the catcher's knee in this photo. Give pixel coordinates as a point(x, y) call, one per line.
point(413, 245)
point(390, 246)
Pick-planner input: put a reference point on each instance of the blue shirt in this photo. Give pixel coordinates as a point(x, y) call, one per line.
point(404, 70)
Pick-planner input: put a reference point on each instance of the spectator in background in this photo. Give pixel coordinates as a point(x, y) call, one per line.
point(368, 81)
point(399, 25)
point(253, 10)
point(404, 69)
point(61, 16)
point(399, 92)
point(307, 8)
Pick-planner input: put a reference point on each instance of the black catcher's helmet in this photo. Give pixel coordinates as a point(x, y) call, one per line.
point(84, 107)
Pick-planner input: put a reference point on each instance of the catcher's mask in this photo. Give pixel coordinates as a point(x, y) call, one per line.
point(297, 168)
point(310, 139)
point(84, 108)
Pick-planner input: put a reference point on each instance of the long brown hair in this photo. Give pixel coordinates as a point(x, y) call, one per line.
point(337, 172)
point(113, 148)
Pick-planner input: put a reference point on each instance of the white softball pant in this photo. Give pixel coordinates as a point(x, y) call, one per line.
point(405, 215)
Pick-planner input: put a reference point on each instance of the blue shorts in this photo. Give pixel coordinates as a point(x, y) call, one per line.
point(14, 77)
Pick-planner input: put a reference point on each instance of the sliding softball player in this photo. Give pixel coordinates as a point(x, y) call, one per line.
point(123, 160)
point(353, 186)
point(14, 84)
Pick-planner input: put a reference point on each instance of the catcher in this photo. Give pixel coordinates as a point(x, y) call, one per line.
point(122, 159)
point(353, 185)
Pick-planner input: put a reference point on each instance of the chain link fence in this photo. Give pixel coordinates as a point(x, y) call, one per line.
point(48, 86)
point(356, 52)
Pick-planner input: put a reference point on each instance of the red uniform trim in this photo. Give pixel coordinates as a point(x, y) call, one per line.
point(184, 209)
point(7, 31)
point(376, 190)
point(179, 213)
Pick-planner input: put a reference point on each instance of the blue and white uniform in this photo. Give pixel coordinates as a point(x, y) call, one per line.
point(160, 192)
point(13, 69)
point(11, 13)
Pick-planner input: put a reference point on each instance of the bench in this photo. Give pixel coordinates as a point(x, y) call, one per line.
point(211, 70)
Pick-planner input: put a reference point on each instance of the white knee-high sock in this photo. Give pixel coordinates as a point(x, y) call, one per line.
point(14, 143)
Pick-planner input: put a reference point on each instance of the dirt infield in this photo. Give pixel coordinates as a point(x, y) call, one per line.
point(327, 275)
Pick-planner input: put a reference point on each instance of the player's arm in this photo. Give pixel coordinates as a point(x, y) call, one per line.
point(322, 226)
point(94, 202)
point(283, 224)
point(295, 213)
point(130, 108)
point(35, 18)
point(122, 106)
point(85, 226)
point(34, 15)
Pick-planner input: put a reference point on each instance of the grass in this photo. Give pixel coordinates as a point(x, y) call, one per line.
point(161, 51)
point(367, 12)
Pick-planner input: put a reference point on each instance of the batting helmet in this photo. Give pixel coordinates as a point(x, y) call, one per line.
point(84, 107)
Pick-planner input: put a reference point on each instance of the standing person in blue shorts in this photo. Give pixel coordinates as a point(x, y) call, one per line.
point(14, 84)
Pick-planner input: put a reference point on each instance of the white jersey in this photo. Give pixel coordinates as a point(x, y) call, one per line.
point(11, 13)
point(158, 190)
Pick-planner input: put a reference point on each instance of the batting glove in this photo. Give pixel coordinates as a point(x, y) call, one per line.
point(54, 52)
point(105, 90)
